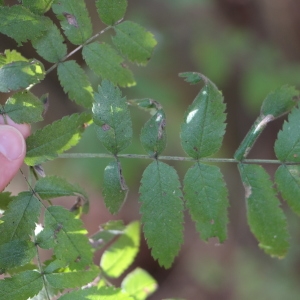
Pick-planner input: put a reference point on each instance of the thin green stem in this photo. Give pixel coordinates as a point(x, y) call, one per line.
point(180, 158)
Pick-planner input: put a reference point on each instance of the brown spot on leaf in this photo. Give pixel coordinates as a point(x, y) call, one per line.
point(71, 19)
point(105, 127)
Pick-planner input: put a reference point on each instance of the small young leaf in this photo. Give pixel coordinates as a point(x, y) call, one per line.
point(266, 220)
point(153, 136)
point(55, 138)
point(16, 253)
point(139, 284)
point(24, 107)
point(120, 255)
point(115, 189)
point(112, 117)
point(103, 293)
point(280, 102)
point(106, 63)
point(20, 218)
point(111, 11)
point(51, 44)
point(52, 187)
point(38, 6)
point(203, 128)
point(134, 42)
point(162, 211)
point(75, 82)
point(67, 236)
point(21, 286)
point(287, 145)
point(66, 280)
point(5, 199)
point(19, 73)
point(207, 200)
point(74, 20)
point(287, 178)
point(20, 23)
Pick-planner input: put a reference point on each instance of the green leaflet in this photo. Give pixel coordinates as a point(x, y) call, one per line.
point(203, 128)
point(115, 189)
point(93, 293)
point(280, 102)
point(18, 72)
point(107, 63)
point(21, 286)
point(275, 105)
point(20, 218)
point(67, 236)
point(287, 145)
point(207, 200)
point(120, 255)
point(153, 135)
point(162, 211)
point(110, 11)
point(112, 117)
point(139, 284)
point(21, 24)
point(55, 138)
point(75, 82)
point(52, 187)
point(66, 280)
point(107, 233)
point(134, 42)
point(24, 107)
point(51, 44)
point(5, 199)
point(16, 253)
point(38, 6)
point(74, 20)
point(266, 220)
point(287, 178)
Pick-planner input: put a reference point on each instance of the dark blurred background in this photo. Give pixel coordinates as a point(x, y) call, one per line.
point(248, 48)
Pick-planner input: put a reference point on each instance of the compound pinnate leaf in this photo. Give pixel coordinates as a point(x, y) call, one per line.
point(38, 6)
point(287, 178)
point(103, 293)
point(110, 11)
point(280, 102)
point(65, 280)
point(51, 44)
point(139, 284)
point(74, 20)
point(287, 145)
point(52, 187)
point(207, 200)
point(106, 63)
point(115, 189)
point(120, 255)
point(17, 72)
point(112, 117)
point(20, 218)
point(55, 138)
point(153, 135)
point(63, 232)
point(266, 220)
point(75, 82)
point(20, 23)
point(16, 253)
point(134, 42)
point(162, 211)
point(203, 128)
point(21, 286)
point(24, 107)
